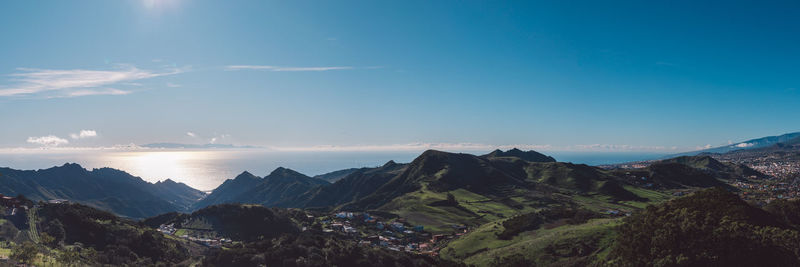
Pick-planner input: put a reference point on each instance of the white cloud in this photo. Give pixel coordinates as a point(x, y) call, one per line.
point(707, 146)
point(742, 145)
point(173, 85)
point(50, 140)
point(213, 140)
point(76, 82)
point(191, 134)
point(275, 68)
point(83, 134)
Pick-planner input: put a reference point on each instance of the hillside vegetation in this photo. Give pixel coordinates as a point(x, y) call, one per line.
point(709, 228)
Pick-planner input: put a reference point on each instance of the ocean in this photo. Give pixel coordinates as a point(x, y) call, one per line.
point(206, 169)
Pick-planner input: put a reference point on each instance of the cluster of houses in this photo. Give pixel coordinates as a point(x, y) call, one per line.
point(769, 191)
point(209, 242)
point(394, 234)
point(169, 229)
point(617, 213)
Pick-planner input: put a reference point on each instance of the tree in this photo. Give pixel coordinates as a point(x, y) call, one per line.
point(89, 253)
point(451, 199)
point(26, 252)
point(47, 239)
point(55, 229)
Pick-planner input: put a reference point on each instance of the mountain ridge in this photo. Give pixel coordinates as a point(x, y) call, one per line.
point(105, 188)
point(793, 137)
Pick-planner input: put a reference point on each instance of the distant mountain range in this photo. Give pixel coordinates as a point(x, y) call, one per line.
point(764, 142)
point(371, 187)
point(511, 179)
point(531, 155)
point(279, 189)
point(508, 179)
point(104, 188)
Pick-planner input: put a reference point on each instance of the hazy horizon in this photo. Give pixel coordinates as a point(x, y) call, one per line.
point(207, 169)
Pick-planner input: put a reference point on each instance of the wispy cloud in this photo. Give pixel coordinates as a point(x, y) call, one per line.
point(276, 68)
point(48, 141)
point(76, 82)
point(87, 92)
point(83, 134)
point(191, 134)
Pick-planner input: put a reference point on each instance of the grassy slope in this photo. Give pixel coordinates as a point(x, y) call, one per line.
point(544, 246)
point(415, 208)
point(481, 246)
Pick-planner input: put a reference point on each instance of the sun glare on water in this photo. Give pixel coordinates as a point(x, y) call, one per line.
point(176, 165)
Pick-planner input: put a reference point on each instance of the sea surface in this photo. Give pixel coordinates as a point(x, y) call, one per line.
point(206, 169)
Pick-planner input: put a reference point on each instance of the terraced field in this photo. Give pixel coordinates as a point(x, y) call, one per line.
point(33, 232)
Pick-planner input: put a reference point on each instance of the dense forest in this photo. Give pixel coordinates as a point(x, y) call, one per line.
point(710, 228)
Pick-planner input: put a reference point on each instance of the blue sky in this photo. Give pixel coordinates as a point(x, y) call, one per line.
point(561, 75)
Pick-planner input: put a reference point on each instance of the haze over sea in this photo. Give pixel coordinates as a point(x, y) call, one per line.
point(206, 169)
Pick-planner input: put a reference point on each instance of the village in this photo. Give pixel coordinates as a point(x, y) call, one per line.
point(169, 229)
point(765, 192)
point(783, 181)
point(394, 234)
point(366, 229)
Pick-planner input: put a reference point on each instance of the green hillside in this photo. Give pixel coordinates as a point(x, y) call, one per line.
point(490, 189)
point(576, 245)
